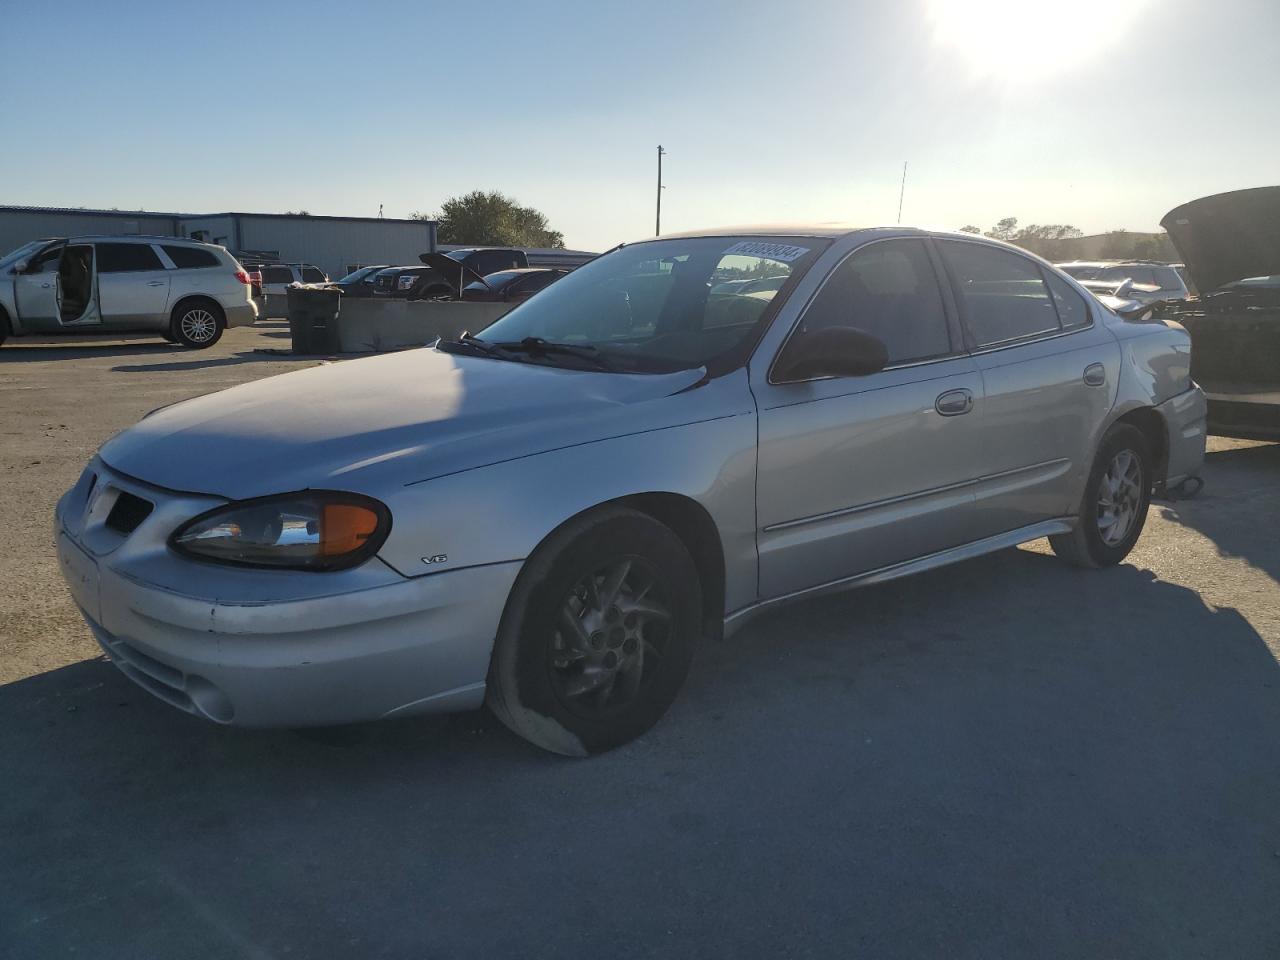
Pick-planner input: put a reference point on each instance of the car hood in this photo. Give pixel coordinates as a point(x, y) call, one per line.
point(397, 418)
point(1229, 236)
point(451, 269)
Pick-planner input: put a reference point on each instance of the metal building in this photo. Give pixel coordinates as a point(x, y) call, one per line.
point(334, 244)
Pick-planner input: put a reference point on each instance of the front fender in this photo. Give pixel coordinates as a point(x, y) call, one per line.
point(501, 512)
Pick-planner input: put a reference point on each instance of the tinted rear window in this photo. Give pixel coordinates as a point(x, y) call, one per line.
point(313, 275)
point(185, 258)
point(277, 275)
point(127, 257)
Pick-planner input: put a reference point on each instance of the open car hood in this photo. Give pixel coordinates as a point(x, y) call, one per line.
point(457, 273)
point(1228, 236)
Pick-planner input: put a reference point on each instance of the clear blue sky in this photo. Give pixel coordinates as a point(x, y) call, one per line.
point(1105, 113)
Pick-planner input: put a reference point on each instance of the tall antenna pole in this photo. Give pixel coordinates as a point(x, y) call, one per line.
point(903, 192)
point(657, 222)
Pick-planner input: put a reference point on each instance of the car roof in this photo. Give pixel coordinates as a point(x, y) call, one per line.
point(134, 238)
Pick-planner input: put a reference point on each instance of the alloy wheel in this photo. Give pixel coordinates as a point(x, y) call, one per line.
point(198, 326)
point(1119, 497)
point(610, 636)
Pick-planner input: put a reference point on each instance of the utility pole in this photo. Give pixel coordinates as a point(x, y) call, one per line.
point(657, 223)
point(903, 192)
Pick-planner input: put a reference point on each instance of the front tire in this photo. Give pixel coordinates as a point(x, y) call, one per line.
point(197, 324)
point(1116, 497)
point(597, 636)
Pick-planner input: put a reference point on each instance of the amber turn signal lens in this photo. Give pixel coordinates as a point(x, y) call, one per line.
point(345, 528)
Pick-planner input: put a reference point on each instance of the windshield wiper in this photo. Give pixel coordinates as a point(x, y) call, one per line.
point(473, 346)
point(536, 346)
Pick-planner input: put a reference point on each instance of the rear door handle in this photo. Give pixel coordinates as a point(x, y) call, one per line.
point(1095, 375)
point(954, 402)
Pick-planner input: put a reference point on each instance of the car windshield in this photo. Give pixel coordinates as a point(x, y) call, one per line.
point(22, 252)
point(361, 274)
point(664, 304)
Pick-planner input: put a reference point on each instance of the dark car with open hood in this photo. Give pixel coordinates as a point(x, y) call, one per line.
point(1231, 245)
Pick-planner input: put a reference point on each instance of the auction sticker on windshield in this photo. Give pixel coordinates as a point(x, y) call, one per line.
point(783, 252)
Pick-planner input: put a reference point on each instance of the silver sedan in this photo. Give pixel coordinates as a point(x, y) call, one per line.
point(683, 433)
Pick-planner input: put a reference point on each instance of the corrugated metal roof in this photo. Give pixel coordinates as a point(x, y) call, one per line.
point(94, 212)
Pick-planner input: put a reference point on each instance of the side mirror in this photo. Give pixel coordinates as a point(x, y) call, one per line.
point(833, 352)
point(21, 266)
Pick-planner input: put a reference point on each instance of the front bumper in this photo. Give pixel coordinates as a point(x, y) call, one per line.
point(1186, 419)
point(227, 647)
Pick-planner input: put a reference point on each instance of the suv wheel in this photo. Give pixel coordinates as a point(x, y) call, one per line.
point(197, 324)
point(1114, 509)
point(598, 634)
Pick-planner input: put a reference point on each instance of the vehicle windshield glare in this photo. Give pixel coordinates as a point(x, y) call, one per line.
point(665, 304)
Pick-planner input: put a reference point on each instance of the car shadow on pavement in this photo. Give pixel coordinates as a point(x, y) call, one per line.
point(1239, 507)
point(1007, 757)
point(45, 351)
point(202, 363)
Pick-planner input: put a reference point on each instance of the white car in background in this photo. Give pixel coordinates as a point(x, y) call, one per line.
point(186, 291)
point(275, 279)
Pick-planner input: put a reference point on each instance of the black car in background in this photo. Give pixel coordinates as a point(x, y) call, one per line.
point(1231, 245)
point(444, 275)
point(511, 286)
point(359, 282)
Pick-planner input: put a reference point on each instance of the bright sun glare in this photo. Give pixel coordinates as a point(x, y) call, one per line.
point(1026, 40)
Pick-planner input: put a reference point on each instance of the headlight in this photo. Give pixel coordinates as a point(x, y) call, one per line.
point(313, 530)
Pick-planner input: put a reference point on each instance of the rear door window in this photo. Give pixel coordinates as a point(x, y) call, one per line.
point(186, 258)
point(277, 275)
point(127, 258)
point(312, 275)
point(1073, 311)
point(1003, 295)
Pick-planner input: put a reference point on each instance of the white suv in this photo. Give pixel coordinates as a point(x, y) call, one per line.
point(187, 292)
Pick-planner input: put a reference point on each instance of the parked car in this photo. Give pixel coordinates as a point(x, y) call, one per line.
point(1231, 245)
point(444, 275)
point(511, 286)
point(410, 283)
point(359, 282)
point(185, 291)
point(276, 277)
point(548, 516)
point(1148, 282)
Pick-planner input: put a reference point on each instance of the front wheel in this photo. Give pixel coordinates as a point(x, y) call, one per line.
point(597, 636)
point(1116, 497)
point(197, 325)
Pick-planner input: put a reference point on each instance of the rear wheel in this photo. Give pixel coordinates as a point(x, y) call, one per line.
point(197, 324)
point(598, 634)
point(1116, 497)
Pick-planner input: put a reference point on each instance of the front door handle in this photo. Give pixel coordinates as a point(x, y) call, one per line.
point(1095, 375)
point(954, 402)
point(46, 285)
point(156, 283)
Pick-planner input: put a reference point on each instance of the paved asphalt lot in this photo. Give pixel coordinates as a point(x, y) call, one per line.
point(1006, 758)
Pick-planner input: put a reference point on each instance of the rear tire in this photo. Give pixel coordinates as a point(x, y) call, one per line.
point(197, 324)
point(597, 636)
point(1114, 508)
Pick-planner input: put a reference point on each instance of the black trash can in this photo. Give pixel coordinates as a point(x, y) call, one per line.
point(313, 319)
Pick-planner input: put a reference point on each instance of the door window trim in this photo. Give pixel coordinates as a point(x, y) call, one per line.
point(971, 342)
point(958, 344)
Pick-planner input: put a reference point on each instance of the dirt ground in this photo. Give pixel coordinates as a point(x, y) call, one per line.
point(1003, 758)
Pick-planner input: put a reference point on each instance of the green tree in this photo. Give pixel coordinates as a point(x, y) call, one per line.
point(1006, 229)
point(490, 218)
point(970, 228)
